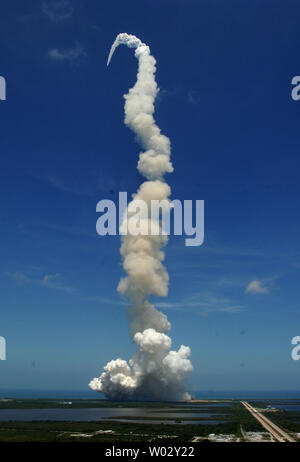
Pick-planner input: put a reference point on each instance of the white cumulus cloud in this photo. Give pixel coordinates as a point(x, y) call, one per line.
point(69, 54)
point(256, 287)
point(57, 11)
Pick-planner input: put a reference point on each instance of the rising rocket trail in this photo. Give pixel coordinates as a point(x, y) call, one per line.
point(155, 371)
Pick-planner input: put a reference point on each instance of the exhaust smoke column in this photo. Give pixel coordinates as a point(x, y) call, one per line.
point(155, 372)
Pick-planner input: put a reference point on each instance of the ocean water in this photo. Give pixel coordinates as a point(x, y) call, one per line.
point(247, 394)
point(206, 394)
point(50, 394)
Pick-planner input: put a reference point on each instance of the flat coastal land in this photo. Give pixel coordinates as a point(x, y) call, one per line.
point(99, 420)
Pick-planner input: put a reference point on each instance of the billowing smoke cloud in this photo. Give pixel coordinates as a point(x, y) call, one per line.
point(155, 371)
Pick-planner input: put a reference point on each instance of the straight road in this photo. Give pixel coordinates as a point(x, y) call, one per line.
point(276, 431)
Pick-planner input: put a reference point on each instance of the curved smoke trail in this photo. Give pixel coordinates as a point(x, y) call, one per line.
point(155, 371)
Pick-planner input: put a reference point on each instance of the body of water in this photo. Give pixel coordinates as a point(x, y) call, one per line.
point(50, 394)
point(286, 405)
point(98, 414)
point(89, 394)
point(244, 395)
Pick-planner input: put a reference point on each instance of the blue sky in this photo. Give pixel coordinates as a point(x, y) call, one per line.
point(225, 71)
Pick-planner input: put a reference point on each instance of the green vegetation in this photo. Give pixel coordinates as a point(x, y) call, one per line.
point(54, 431)
point(62, 431)
point(287, 420)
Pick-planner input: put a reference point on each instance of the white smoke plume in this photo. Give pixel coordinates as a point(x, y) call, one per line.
point(155, 372)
